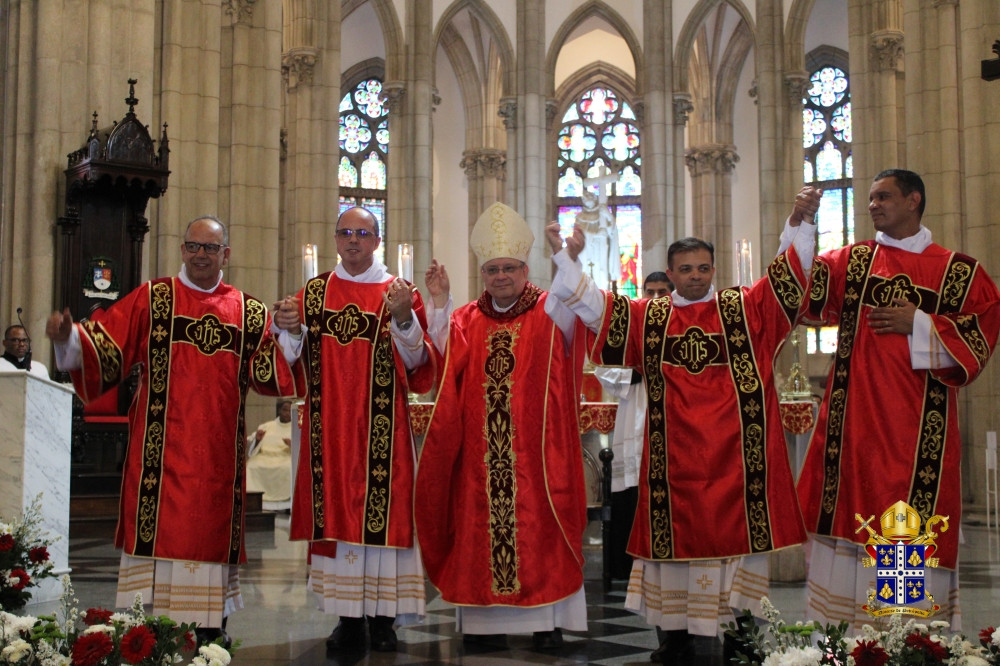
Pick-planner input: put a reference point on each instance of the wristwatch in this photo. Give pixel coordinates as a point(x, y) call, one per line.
point(405, 326)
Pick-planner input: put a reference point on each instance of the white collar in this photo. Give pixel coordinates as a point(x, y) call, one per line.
point(186, 281)
point(916, 243)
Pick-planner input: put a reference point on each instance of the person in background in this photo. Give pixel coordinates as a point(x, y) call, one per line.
point(17, 352)
point(269, 466)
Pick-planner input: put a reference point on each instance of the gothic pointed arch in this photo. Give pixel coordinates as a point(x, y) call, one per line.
point(795, 34)
point(599, 9)
point(392, 34)
point(500, 43)
point(690, 33)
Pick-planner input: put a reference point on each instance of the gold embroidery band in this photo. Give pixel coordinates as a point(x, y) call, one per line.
point(858, 268)
point(253, 332)
point(753, 417)
point(501, 482)
point(925, 485)
point(313, 299)
point(661, 538)
point(381, 408)
point(161, 308)
point(613, 351)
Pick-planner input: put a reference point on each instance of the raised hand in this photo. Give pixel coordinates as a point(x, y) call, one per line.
point(286, 314)
point(437, 283)
point(59, 326)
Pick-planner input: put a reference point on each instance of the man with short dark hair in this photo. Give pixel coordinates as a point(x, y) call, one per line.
point(917, 322)
point(17, 352)
point(361, 335)
point(716, 492)
point(201, 345)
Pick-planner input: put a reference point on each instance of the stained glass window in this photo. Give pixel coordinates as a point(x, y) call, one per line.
point(598, 138)
point(364, 152)
point(826, 140)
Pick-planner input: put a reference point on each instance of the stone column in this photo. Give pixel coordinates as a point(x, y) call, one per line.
point(486, 170)
point(527, 167)
point(780, 123)
point(50, 94)
point(249, 157)
point(711, 167)
point(310, 69)
point(411, 100)
point(662, 181)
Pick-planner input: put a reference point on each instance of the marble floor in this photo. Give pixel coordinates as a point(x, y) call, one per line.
point(281, 626)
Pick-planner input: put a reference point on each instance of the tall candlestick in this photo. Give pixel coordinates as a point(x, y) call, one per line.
point(744, 263)
point(406, 261)
point(308, 261)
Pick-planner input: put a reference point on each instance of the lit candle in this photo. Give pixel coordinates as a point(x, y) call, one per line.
point(744, 263)
point(406, 261)
point(308, 261)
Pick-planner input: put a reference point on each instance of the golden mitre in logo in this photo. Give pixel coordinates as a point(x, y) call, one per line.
point(900, 524)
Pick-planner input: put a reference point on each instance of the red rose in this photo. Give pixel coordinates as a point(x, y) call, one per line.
point(39, 554)
point(90, 649)
point(986, 636)
point(189, 644)
point(96, 616)
point(869, 653)
point(137, 644)
point(927, 646)
point(22, 579)
point(6, 541)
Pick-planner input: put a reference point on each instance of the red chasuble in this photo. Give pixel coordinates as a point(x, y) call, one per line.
point(502, 505)
point(887, 432)
point(183, 482)
point(714, 481)
point(355, 475)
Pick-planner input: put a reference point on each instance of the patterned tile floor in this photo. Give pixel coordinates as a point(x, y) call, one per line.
point(281, 626)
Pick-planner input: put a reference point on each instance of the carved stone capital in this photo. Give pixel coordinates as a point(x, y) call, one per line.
point(945, 3)
point(297, 66)
point(551, 110)
point(683, 106)
point(887, 49)
point(796, 87)
point(240, 11)
point(508, 111)
point(484, 163)
point(752, 92)
point(392, 95)
point(711, 159)
point(435, 99)
point(639, 109)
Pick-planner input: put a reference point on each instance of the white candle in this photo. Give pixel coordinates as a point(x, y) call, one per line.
point(744, 263)
point(406, 261)
point(308, 261)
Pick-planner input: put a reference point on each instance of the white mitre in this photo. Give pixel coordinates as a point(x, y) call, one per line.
point(501, 233)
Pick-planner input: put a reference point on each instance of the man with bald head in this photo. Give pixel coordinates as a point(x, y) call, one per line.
point(361, 333)
point(200, 345)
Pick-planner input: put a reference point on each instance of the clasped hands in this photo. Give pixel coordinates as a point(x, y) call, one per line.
point(398, 299)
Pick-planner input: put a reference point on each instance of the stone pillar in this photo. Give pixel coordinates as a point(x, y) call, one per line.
point(485, 169)
point(527, 169)
point(662, 181)
point(875, 36)
point(711, 168)
point(51, 92)
point(780, 123)
point(310, 69)
point(249, 157)
point(411, 99)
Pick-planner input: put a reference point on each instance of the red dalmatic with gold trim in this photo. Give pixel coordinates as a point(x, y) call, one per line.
point(502, 504)
point(356, 464)
point(715, 480)
point(887, 432)
point(183, 481)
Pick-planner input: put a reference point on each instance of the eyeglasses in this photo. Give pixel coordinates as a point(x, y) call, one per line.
point(18, 341)
point(360, 233)
point(210, 248)
point(506, 269)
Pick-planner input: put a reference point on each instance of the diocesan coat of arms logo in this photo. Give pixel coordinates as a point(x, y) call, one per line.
point(901, 555)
